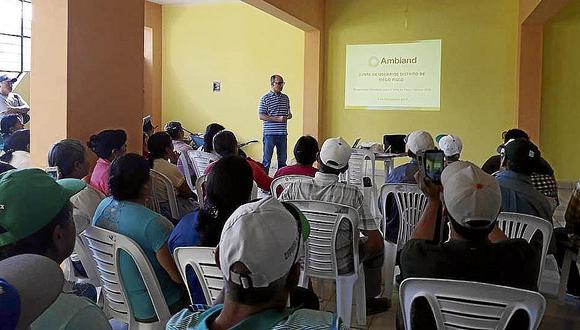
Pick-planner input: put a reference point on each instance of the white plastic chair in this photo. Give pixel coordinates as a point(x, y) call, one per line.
point(358, 167)
point(105, 247)
point(470, 305)
point(185, 161)
point(284, 181)
point(200, 189)
point(320, 259)
point(159, 179)
point(202, 260)
point(411, 203)
point(200, 160)
point(516, 225)
point(569, 258)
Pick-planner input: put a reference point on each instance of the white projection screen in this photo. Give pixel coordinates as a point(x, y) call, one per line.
point(401, 76)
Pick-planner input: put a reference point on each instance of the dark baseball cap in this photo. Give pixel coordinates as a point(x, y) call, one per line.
point(521, 150)
point(5, 77)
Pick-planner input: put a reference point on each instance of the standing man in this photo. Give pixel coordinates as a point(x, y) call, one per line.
point(274, 111)
point(11, 102)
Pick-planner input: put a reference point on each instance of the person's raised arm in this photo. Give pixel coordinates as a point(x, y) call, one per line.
point(426, 227)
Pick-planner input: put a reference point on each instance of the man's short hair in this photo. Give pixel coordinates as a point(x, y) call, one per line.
point(253, 296)
point(225, 143)
point(65, 154)
point(305, 150)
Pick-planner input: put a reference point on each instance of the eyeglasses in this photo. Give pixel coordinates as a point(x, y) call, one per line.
point(279, 83)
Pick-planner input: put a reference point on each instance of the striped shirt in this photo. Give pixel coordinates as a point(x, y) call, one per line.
point(197, 317)
point(273, 104)
point(326, 188)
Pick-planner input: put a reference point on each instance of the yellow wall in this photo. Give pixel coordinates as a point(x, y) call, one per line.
point(561, 85)
point(23, 87)
point(240, 46)
point(479, 48)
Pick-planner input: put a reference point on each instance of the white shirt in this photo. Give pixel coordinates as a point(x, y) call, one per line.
point(13, 100)
point(85, 204)
point(20, 159)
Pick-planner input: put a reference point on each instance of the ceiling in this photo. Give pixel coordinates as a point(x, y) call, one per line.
point(182, 2)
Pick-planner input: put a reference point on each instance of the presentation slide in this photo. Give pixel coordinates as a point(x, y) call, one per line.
point(403, 76)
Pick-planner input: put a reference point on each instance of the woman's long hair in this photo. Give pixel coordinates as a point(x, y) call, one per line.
point(229, 185)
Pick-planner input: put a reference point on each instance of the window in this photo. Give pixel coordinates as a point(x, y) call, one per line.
point(15, 31)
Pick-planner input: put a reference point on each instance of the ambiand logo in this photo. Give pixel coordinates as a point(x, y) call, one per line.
point(375, 61)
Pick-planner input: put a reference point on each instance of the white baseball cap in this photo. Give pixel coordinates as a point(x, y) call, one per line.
point(265, 237)
point(472, 197)
point(335, 153)
point(450, 145)
point(419, 141)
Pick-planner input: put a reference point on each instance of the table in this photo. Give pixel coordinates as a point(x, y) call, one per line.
point(388, 159)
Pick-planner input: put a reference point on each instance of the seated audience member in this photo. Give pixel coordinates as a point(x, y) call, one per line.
point(226, 144)
point(180, 146)
point(108, 145)
point(569, 238)
point(29, 284)
point(305, 152)
point(38, 220)
point(144, 150)
point(125, 213)
point(451, 146)
point(325, 186)
point(519, 157)
point(416, 142)
point(8, 125)
point(477, 249)
point(258, 255)
point(210, 131)
point(160, 150)
point(542, 175)
point(70, 157)
point(228, 186)
point(17, 149)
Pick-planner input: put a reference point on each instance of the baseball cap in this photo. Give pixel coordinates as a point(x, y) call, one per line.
point(29, 200)
point(5, 77)
point(450, 145)
point(264, 236)
point(472, 197)
point(335, 153)
point(419, 141)
point(520, 150)
point(29, 284)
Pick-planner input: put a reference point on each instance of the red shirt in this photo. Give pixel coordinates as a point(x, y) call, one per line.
point(297, 169)
point(262, 179)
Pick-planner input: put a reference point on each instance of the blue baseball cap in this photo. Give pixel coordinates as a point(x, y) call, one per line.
point(5, 77)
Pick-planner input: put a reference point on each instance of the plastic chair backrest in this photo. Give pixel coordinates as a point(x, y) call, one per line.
point(470, 305)
point(105, 247)
point(358, 166)
point(411, 203)
point(84, 254)
point(185, 162)
point(159, 179)
point(200, 189)
point(254, 194)
point(202, 260)
point(284, 181)
point(324, 219)
point(201, 160)
point(517, 225)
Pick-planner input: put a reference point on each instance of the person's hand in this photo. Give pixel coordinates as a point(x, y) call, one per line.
point(430, 189)
point(281, 119)
point(289, 116)
point(174, 156)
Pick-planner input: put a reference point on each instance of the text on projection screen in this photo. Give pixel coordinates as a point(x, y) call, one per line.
point(402, 76)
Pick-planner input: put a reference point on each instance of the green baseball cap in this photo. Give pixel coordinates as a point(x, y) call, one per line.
point(29, 200)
